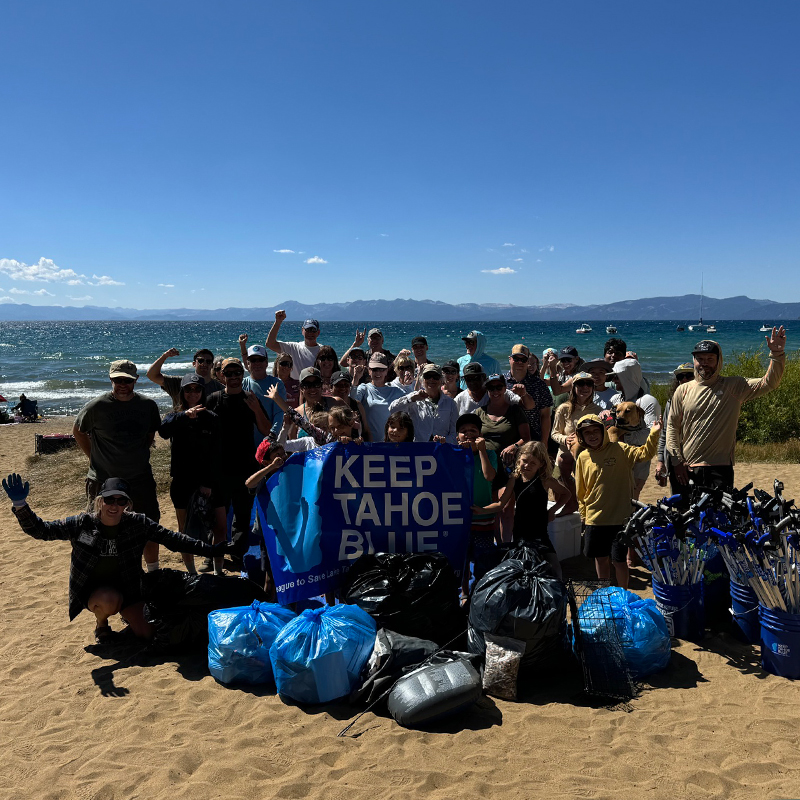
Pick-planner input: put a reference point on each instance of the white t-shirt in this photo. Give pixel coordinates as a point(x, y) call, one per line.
point(466, 404)
point(302, 356)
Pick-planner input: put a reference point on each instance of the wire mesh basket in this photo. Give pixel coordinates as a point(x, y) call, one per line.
point(605, 671)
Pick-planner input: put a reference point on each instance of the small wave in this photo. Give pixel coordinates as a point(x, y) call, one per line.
point(169, 366)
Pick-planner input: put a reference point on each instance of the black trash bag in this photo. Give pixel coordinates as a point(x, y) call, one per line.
point(177, 604)
point(414, 594)
point(524, 601)
point(522, 551)
point(393, 655)
point(449, 683)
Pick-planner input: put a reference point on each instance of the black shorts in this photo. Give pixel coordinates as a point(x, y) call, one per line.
point(128, 600)
point(181, 491)
point(601, 542)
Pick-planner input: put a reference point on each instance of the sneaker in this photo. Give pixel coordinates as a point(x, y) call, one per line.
point(208, 565)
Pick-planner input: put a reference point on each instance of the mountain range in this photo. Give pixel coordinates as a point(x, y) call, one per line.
point(683, 308)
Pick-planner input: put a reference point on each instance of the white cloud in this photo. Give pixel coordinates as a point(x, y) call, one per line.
point(79, 299)
point(104, 280)
point(167, 285)
point(14, 290)
point(316, 260)
point(552, 248)
point(509, 244)
point(6, 299)
point(39, 292)
point(43, 292)
point(517, 259)
point(523, 250)
point(383, 234)
point(44, 270)
point(283, 251)
point(500, 271)
point(538, 260)
point(75, 283)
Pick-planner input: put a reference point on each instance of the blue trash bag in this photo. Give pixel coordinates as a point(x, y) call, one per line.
point(319, 655)
point(239, 640)
point(641, 628)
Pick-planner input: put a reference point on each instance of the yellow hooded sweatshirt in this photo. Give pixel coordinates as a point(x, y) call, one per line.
point(704, 414)
point(604, 477)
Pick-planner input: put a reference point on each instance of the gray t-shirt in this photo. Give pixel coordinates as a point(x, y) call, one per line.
point(121, 431)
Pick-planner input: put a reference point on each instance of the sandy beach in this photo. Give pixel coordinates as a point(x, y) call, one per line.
point(76, 724)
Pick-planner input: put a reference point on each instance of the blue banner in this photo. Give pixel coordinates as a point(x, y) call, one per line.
point(326, 507)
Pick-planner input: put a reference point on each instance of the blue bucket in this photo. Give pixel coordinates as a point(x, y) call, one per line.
point(780, 642)
point(744, 610)
point(683, 609)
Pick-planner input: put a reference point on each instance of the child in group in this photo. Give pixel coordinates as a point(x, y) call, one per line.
point(484, 472)
point(605, 488)
point(399, 428)
point(527, 488)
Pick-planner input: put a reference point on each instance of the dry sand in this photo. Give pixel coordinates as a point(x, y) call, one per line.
point(76, 724)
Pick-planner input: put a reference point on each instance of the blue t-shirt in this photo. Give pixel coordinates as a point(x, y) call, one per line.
point(376, 402)
point(271, 409)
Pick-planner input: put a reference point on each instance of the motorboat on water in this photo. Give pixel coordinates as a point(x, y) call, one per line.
point(680, 328)
point(584, 328)
point(711, 329)
point(765, 329)
point(611, 329)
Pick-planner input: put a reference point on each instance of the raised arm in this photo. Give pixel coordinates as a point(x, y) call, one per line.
point(243, 350)
point(154, 373)
point(272, 337)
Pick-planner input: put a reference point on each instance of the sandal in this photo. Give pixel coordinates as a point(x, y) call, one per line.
point(103, 634)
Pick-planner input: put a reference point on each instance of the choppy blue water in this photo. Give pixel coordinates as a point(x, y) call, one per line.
point(65, 364)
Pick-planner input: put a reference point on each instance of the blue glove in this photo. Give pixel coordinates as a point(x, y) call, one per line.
point(16, 489)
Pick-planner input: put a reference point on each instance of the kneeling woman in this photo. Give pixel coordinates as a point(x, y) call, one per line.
point(106, 565)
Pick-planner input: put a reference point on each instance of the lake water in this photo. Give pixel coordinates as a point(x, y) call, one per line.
point(65, 364)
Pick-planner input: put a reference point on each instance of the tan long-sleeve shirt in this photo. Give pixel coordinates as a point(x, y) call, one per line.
point(701, 430)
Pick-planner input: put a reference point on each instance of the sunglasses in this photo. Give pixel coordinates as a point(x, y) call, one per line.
point(496, 387)
point(285, 364)
point(324, 358)
point(204, 361)
point(233, 373)
point(123, 381)
point(257, 359)
point(449, 372)
point(587, 384)
point(685, 377)
point(192, 388)
point(378, 369)
point(568, 358)
point(116, 501)
point(311, 384)
point(519, 359)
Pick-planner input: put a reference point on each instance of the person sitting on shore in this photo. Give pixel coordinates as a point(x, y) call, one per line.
point(303, 353)
point(107, 544)
point(202, 363)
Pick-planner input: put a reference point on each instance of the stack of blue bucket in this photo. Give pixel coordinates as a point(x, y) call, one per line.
point(744, 611)
point(683, 608)
point(780, 642)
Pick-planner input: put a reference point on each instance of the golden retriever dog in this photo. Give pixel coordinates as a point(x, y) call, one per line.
point(627, 417)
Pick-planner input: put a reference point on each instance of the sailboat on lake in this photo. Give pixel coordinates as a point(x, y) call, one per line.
point(701, 326)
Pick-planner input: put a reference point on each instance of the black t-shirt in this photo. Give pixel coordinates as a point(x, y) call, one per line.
point(194, 446)
point(106, 568)
point(237, 449)
point(530, 513)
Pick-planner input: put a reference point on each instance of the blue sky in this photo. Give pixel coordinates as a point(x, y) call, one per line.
point(164, 154)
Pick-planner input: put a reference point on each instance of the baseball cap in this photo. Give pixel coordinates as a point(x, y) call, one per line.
point(431, 369)
point(582, 376)
point(495, 377)
point(192, 377)
point(373, 331)
point(378, 360)
point(706, 346)
point(228, 361)
point(257, 350)
point(123, 369)
point(338, 377)
point(473, 368)
point(114, 486)
point(546, 352)
point(520, 350)
point(470, 336)
point(419, 340)
point(568, 352)
point(683, 368)
point(309, 372)
point(311, 323)
point(586, 422)
point(468, 419)
point(451, 365)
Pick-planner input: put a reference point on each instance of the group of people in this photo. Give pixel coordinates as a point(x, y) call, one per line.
point(537, 428)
